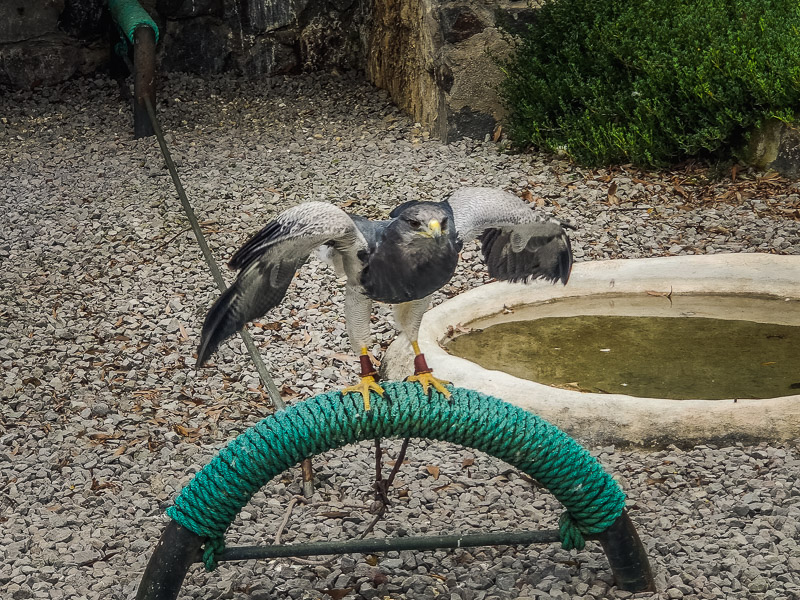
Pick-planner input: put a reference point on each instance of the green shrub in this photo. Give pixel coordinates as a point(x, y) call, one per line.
point(651, 81)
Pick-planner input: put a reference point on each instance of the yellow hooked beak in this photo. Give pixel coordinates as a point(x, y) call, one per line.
point(434, 229)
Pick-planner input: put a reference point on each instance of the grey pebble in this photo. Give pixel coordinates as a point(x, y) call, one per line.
point(100, 409)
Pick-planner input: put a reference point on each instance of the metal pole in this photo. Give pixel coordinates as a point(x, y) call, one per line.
point(144, 79)
point(176, 551)
point(626, 556)
point(179, 548)
point(263, 374)
point(308, 478)
point(372, 545)
point(261, 368)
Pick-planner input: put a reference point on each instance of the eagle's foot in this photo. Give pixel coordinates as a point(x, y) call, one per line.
point(369, 380)
point(428, 381)
point(365, 387)
point(423, 375)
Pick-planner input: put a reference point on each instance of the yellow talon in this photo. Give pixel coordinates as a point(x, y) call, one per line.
point(426, 380)
point(364, 387)
point(423, 374)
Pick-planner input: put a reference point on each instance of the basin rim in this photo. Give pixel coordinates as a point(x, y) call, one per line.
point(617, 418)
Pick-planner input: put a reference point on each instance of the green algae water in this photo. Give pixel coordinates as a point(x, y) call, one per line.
point(677, 357)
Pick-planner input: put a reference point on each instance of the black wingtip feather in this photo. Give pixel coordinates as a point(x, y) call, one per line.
point(217, 326)
point(565, 260)
point(256, 291)
point(550, 260)
point(254, 247)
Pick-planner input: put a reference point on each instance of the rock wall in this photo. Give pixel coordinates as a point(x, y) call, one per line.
point(774, 146)
point(258, 38)
point(43, 42)
point(402, 42)
point(437, 59)
point(433, 56)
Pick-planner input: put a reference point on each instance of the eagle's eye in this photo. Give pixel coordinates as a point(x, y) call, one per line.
point(414, 223)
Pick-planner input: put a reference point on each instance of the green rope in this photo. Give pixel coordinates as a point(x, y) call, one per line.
point(129, 15)
point(213, 546)
point(210, 502)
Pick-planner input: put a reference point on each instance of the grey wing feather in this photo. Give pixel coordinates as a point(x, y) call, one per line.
point(518, 243)
point(268, 262)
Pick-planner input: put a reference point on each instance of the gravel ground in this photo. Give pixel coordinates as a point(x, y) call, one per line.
point(103, 417)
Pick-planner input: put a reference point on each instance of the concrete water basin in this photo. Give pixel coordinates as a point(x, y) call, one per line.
point(755, 293)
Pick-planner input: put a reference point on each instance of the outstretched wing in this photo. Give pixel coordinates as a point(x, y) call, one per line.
point(518, 243)
point(269, 260)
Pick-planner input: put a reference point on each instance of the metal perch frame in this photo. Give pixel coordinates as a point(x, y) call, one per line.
point(205, 508)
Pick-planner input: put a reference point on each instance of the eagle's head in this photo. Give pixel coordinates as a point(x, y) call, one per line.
point(428, 220)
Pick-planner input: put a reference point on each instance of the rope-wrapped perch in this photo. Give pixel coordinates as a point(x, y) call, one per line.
point(210, 502)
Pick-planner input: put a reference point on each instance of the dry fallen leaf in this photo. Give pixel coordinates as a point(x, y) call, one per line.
point(612, 194)
point(467, 462)
point(571, 385)
point(96, 486)
point(337, 594)
point(498, 131)
point(667, 295)
point(287, 392)
point(335, 514)
point(433, 470)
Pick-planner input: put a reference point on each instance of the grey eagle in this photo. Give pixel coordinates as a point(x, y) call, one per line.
point(401, 261)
